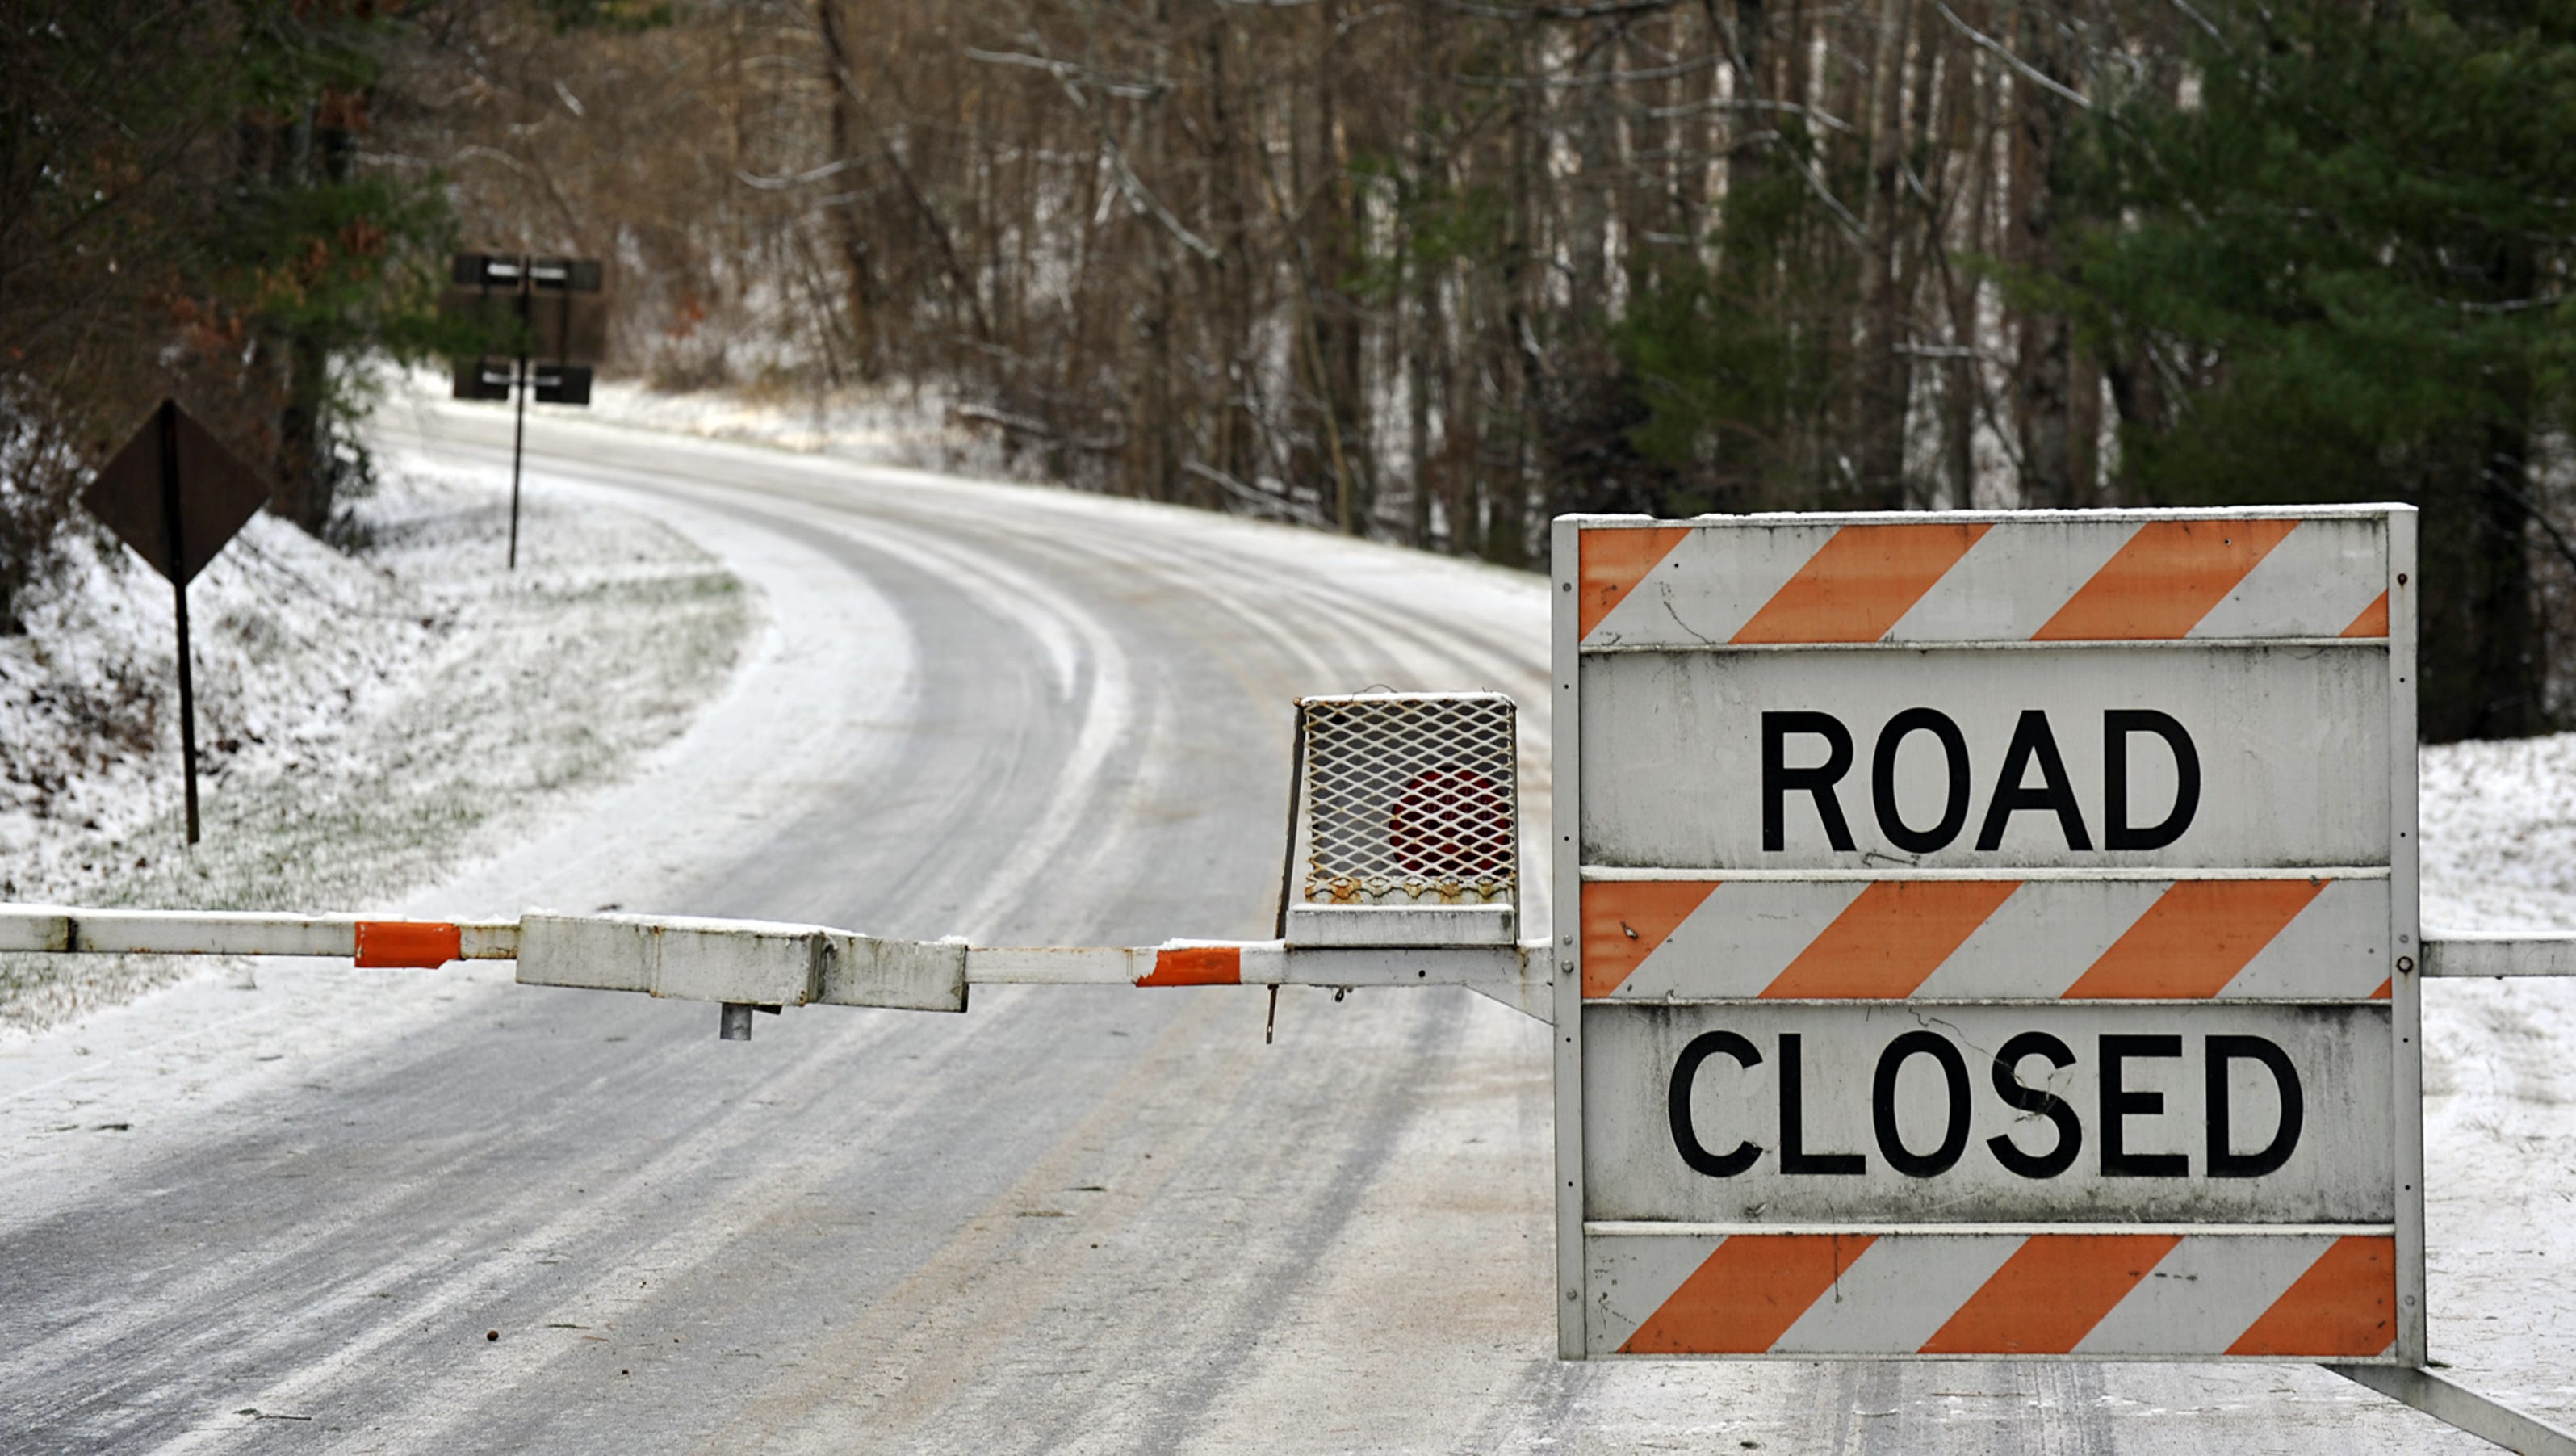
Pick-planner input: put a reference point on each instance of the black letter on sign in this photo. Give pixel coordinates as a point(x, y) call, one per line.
point(2285, 1138)
point(2117, 725)
point(1954, 816)
point(2031, 739)
point(1779, 780)
point(2117, 1160)
point(1703, 1046)
point(1882, 1104)
point(1794, 1158)
point(2008, 1086)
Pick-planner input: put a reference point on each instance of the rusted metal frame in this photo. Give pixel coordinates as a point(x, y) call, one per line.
point(1565, 902)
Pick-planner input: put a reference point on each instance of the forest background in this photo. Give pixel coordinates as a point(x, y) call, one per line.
point(1428, 270)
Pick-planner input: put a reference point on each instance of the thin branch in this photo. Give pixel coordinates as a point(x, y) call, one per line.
point(1987, 42)
point(1286, 506)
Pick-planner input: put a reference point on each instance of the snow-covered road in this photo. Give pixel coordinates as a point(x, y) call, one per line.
point(1069, 1220)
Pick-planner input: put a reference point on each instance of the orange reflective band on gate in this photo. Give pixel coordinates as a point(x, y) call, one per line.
point(2373, 621)
point(420, 944)
point(2346, 1304)
point(2050, 1294)
point(1196, 965)
point(1860, 583)
point(1890, 939)
point(2168, 577)
point(1747, 1293)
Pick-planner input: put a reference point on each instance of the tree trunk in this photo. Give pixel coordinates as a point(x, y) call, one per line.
point(843, 83)
point(1880, 407)
point(2041, 381)
point(307, 474)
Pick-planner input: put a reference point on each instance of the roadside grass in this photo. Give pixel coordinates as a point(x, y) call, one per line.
point(486, 699)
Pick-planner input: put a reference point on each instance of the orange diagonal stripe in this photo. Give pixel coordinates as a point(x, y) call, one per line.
point(1860, 582)
point(1746, 1295)
point(2346, 1304)
point(421, 944)
point(1611, 562)
point(2385, 987)
point(1886, 942)
point(1196, 965)
point(2373, 621)
point(1623, 922)
point(2050, 1294)
point(2164, 580)
point(2194, 939)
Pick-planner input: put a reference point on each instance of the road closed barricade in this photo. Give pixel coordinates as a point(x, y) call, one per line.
point(1994, 936)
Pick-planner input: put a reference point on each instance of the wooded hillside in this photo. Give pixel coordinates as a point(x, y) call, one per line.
point(1435, 270)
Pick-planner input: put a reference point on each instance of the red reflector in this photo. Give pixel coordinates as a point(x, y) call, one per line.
point(423, 944)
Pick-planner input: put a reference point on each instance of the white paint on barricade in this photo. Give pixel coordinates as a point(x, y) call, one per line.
point(2067, 755)
point(1895, 1113)
point(1994, 935)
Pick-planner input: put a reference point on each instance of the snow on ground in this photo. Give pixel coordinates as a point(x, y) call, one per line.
point(2499, 826)
point(2499, 822)
point(365, 722)
point(889, 425)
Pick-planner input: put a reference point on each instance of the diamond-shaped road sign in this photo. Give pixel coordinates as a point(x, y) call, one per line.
point(176, 495)
point(217, 495)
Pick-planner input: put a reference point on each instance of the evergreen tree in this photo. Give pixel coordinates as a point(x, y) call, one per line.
point(2333, 268)
point(183, 211)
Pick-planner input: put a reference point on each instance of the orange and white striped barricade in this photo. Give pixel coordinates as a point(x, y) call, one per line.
point(1990, 935)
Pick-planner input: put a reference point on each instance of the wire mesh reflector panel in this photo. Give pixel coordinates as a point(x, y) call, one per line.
point(1411, 799)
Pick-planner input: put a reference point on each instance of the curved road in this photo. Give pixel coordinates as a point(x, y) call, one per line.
point(1070, 1220)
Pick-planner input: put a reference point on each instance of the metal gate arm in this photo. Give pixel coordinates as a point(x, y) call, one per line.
point(774, 964)
point(368, 940)
point(2509, 953)
point(1515, 975)
point(740, 962)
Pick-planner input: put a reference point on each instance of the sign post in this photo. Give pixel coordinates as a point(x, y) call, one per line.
point(176, 496)
point(556, 317)
point(1991, 935)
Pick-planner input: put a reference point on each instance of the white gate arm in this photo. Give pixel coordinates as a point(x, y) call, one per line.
point(2506, 953)
point(368, 940)
point(1515, 975)
point(772, 964)
point(743, 964)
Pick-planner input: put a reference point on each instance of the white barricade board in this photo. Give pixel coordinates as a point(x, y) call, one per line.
point(1988, 934)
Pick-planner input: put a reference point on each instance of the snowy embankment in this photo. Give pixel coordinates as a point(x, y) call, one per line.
point(365, 722)
point(892, 426)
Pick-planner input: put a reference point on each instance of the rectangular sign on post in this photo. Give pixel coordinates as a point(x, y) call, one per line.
point(1992, 934)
